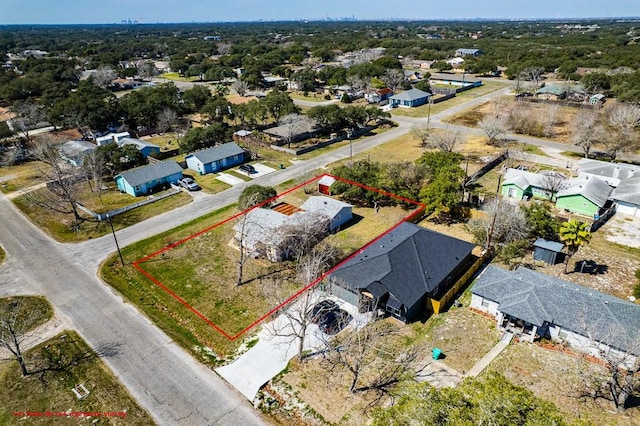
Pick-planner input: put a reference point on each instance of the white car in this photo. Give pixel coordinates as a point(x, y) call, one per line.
point(189, 184)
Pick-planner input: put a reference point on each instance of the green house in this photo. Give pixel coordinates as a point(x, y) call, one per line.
point(521, 184)
point(584, 195)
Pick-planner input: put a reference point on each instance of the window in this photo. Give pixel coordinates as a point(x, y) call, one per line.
point(485, 303)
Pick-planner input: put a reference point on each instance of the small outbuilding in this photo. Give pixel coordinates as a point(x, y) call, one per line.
point(324, 184)
point(337, 211)
point(548, 251)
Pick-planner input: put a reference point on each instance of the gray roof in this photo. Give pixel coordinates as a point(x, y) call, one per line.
point(261, 225)
point(411, 95)
point(408, 262)
point(467, 51)
point(139, 143)
point(538, 298)
point(144, 174)
point(590, 187)
point(549, 245)
point(523, 179)
point(75, 149)
point(218, 152)
point(628, 190)
point(324, 205)
point(612, 173)
point(454, 77)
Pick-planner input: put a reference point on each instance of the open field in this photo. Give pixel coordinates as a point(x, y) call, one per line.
point(47, 397)
point(166, 141)
point(174, 76)
point(59, 225)
point(14, 178)
point(423, 110)
point(312, 97)
point(556, 377)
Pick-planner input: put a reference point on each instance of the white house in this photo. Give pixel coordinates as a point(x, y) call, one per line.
point(337, 211)
point(535, 305)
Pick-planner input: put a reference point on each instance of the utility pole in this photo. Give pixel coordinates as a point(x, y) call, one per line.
point(115, 239)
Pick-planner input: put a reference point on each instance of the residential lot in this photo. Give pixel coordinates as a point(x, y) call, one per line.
point(203, 272)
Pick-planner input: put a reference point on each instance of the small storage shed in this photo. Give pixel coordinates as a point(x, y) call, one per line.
point(324, 184)
point(548, 251)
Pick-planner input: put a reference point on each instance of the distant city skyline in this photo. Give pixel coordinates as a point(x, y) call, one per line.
point(176, 11)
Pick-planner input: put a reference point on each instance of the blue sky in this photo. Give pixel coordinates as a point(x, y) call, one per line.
point(148, 11)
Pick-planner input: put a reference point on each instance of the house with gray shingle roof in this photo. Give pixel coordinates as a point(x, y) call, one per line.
point(215, 159)
point(584, 195)
point(74, 152)
point(401, 271)
point(468, 52)
point(536, 305)
point(410, 98)
point(625, 178)
point(142, 180)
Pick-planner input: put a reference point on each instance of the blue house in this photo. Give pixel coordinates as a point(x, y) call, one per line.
point(410, 98)
point(145, 148)
point(212, 160)
point(142, 180)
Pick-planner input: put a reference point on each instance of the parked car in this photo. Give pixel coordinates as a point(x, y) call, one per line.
point(248, 168)
point(189, 184)
point(333, 322)
point(321, 308)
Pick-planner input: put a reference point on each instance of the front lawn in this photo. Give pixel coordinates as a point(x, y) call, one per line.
point(61, 227)
point(47, 397)
point(21, 176)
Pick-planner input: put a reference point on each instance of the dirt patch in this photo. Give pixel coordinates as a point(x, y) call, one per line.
point(556, 377)
point(623, 230)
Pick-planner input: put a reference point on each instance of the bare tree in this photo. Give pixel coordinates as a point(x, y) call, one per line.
point(95, 166)
point(103, 76)
point(166, 119)
point(587, 130)
point(550, 119)
point(371, 357)
point(62, 193)
point(534, 75)
point(240, 86)
point(295, 124)
point(623, 119)
point(619, 379)
point(357, 83)
point(223, 48)
point(493, 126)
point(423, 133)
point(28, 114)
point(147, 70)
point(15, 325)
point(445, 140)
point(503, 223)
point(553, 182)
point(393, 78)
point(295, 319)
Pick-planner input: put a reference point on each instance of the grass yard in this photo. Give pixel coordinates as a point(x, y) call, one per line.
point(29, 399)
point(313, 97)
point(35, 310)
point(59, 225)
point(423, 110)
point(174, 76)
point(208, 182)
point(166, 142)
point(25, 175)
point(556, 377)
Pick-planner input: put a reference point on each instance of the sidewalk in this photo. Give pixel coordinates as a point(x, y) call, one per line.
point(491, 355)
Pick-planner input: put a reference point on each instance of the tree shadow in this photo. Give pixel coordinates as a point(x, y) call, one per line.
point(590, 267)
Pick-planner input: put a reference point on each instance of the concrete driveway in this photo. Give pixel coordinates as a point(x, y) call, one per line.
point(274, 349)
point(227, 178)
point(261, 170)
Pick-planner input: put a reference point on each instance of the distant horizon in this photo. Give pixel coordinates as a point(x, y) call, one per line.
point(335, 20)
point(105, 12)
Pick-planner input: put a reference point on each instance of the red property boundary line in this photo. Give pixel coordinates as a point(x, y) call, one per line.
point(137, 263)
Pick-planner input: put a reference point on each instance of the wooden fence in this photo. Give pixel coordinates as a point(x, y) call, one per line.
point(436, 306)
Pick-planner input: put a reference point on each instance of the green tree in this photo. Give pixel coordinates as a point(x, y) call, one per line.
point(278, 104)
point(574, 234)
point(542, 223)
point(442, 194)
point(88, 106)
point(365, 172)
point(253, 195)
point(196, 97)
